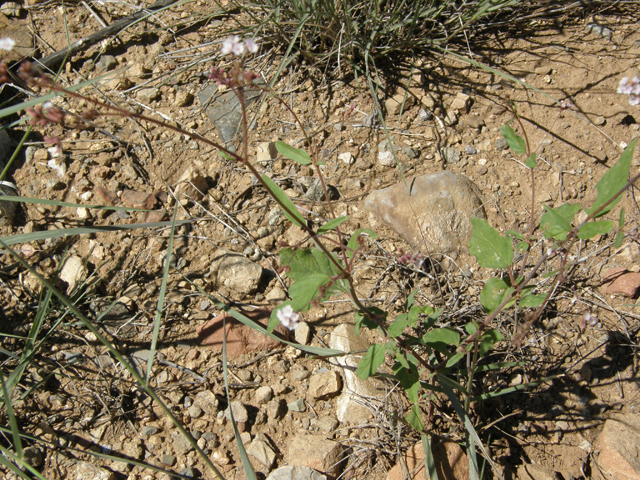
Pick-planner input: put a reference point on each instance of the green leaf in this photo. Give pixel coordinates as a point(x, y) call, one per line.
point(414, 418)
point(558, 220)
point(489, 339)
point(409, 379)
point(295, 217)
point(362, 320)
point(514, 234)
point(494, 293)
point(491, 249)
point(516, 142)
point(305, 290)
point(531, 161)
point(621, 220)
point(613, 181)
point(433, 316)
point(399, 324)
point(407, 360)
point(619, 239)
point(522, 246)
point(352, 246)
point(411, 299)
point(532, 301)
point(551, 274)
point(471, 328)
point(226, 156)
point(273, 318)
point(310, 261)
point(293, 153)
point(591, 229)
point(440, 338)
point(310, 269)
point(371, 361)
point(331, 224)
point(455, 359)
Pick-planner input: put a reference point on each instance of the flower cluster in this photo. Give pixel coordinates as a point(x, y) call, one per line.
point(237, 47)
point(566, 104)
point(416, 259)
point(588, 319)
point(288, 318)
point(45, 114)
point(232, 78)
point(631, 87)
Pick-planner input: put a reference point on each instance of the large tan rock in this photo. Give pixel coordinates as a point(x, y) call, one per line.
point(351, 404)
point(618, 448)
point(450, 461)
point(430, 212)
point(316, 452)
point(236, 272)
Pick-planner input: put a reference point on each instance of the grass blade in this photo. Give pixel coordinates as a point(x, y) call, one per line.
point(429, 463)
point(9, 460)
point(468, 425)
point(249, 473)
point(70, 232)
point(113, 351)
point(161, 296)
point(17, 444)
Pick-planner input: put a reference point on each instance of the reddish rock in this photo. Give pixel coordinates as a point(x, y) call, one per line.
point(102, 196)
point(529, 471)
point(134, 199)
point(163, 197)
point(618, 448)
point(240, 338)
point(152, 217)
point(451, 462)
point(621, 281)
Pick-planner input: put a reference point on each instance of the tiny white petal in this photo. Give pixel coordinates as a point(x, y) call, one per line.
point(238, 49)
point(7, 44)
point(252, 46)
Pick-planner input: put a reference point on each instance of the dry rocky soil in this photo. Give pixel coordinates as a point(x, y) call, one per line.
point(582, 418)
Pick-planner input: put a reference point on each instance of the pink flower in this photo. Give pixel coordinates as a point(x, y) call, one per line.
point(7, 44)
point(288, 318)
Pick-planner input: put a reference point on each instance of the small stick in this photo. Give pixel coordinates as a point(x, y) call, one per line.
point(53, 60)
point(93, 13)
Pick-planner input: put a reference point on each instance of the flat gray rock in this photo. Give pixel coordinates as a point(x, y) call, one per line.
point(295, 473)
point(431, 213)
point(225, 111)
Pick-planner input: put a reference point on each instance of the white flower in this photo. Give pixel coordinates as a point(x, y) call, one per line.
point(288, 318)
point(590, 319)
point(7, 44)
point(631, 87)
point(252, 46)
point(237, 47)
point(228, 44)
